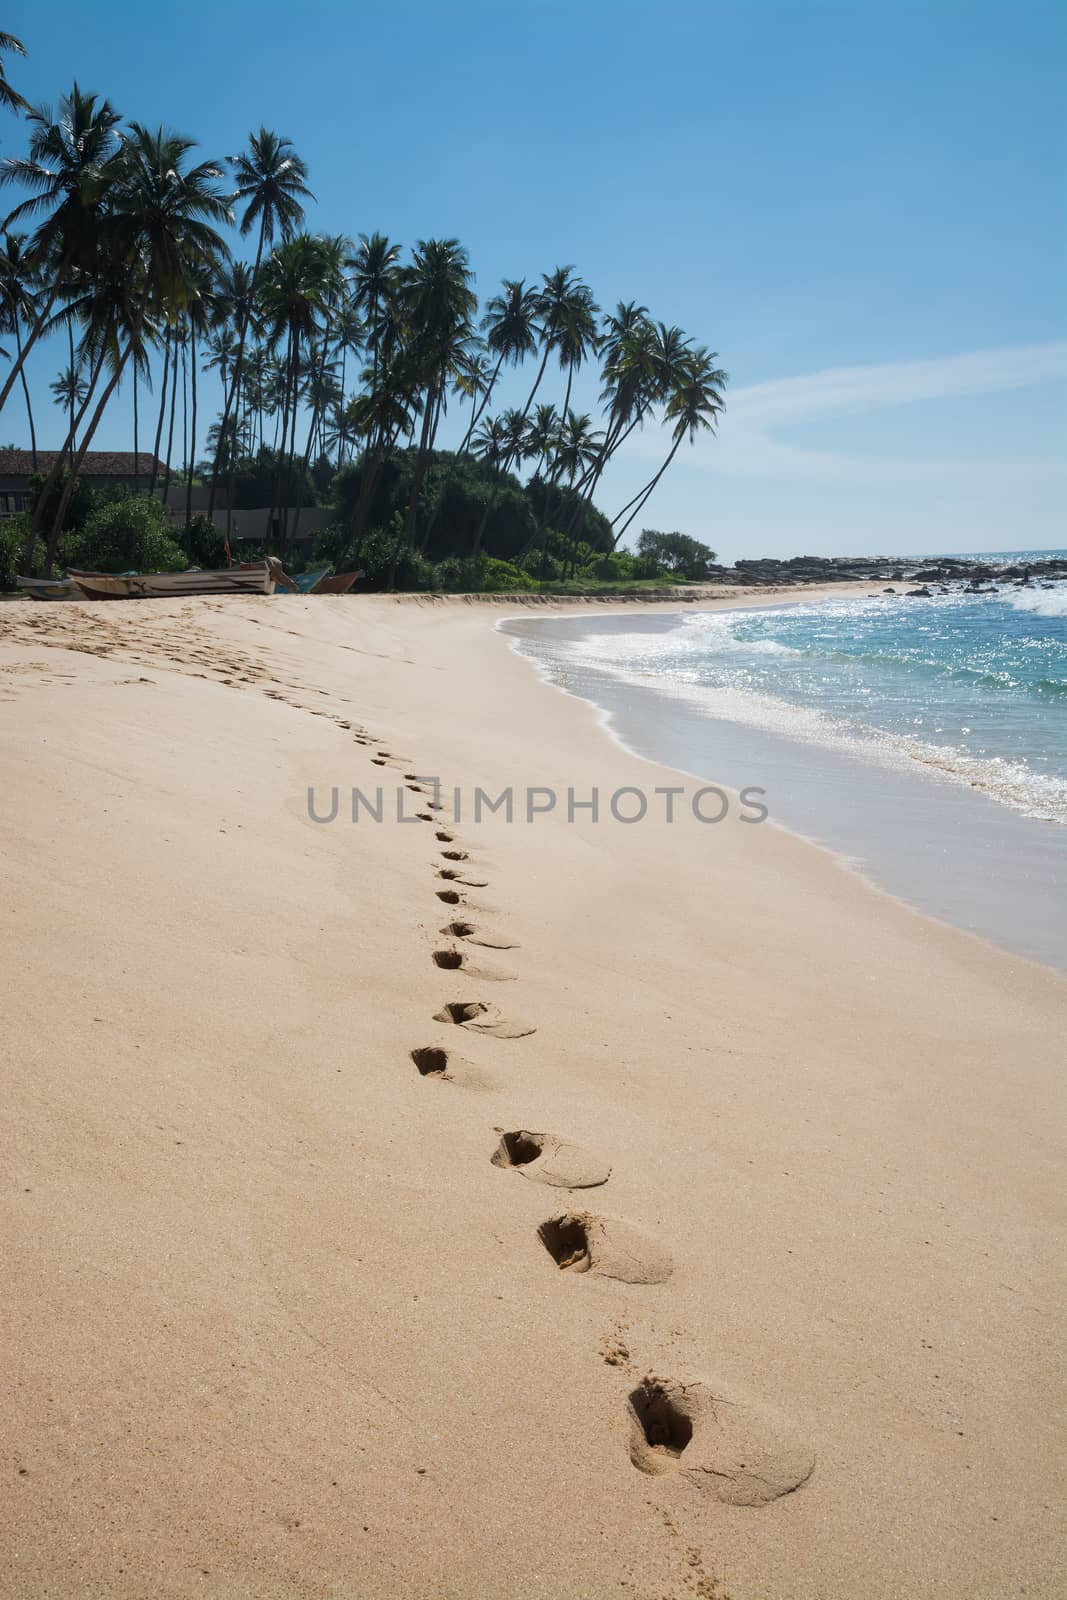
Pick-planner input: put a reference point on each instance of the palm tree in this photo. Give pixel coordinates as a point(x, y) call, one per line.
point(577, 448)
point(10, 97)
point(348, 333)
point(566, 313)
point(510, 335)
point(380, 415)
point(222, 347)
point(632, 381)
point(321, 388)
point(696, 402)
point(18, 306)
point(156, 233)
point(69, 390)
point(294, 294)
point(500, 443)
point(375, 270)
point(436, 304)
point(200, 313)
point(72, 165)
point(272, 186)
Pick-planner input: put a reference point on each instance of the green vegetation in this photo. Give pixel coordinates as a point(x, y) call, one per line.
point(338, 361)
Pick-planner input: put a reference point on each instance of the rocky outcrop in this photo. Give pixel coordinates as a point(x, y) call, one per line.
point(946, 570)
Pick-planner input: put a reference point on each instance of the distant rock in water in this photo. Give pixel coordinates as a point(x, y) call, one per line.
point(948, 572)
point(919, 594)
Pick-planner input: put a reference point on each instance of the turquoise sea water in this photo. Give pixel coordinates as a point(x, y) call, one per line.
point(926, 740)
point(973, 684)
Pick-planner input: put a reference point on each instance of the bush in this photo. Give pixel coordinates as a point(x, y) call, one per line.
point(13, 531)
point(500, 576)
point(615, 568)
point(676, 552)
point(204, 544)
point(123, 532)
point(374, 555)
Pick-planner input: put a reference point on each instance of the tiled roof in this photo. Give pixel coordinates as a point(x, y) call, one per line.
point(97, 463)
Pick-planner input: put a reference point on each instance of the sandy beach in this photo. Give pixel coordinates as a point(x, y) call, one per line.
point(277, 1324)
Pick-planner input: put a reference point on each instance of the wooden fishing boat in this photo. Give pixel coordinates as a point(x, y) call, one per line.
point(50, 588)
point(256, 578)
point(339, 583)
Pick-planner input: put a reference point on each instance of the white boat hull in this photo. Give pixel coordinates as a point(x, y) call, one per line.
point(169, 585)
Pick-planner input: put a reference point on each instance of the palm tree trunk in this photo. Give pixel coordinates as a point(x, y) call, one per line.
point(231, 475)
point(421, 463)
point(279, 449)
point(173, 408)
point(35, 333)
point(185, 406)
point(478, 408)
point(68, 487)
point(226, 403)
point(25, 389)
point(70, 344)
point(162, 412)
point(289, 476)
point(591, 477)
point(537, 380)
point(646, 493)
point(192, 450)
point(53, 477)
point(136, 438)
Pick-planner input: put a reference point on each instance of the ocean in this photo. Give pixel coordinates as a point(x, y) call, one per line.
point(925, 740)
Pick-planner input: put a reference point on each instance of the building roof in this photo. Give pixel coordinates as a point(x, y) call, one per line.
point(97, 463)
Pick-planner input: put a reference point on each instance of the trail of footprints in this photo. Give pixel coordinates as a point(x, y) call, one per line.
point(729, 1446)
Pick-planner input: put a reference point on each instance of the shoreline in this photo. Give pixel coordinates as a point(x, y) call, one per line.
point(292, 1309)
point(969, 893)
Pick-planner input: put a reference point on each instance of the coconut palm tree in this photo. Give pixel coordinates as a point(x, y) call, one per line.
point(73, 162)
point(502, 443)
point(272, 187)
point(9, 97)
point(566, 314)
point(436, 304)
point(18, 308)
point(510, 335)
point(380, 416)
point(375, 270)
point(695, 404)
point(632, 381)
point(295, 289)
point(157, 231)
point(68, 391)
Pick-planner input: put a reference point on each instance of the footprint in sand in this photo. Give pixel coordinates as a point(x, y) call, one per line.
point(474, 933)
point(448, 1066)
point(375, 761)
point(546, 1158)
point(443, 837)
point(580, 1242)
point(424, 816)
point(453, 960)
point(737, 1450)
point(481, 1017)
point(455, 855)
point(454, 875)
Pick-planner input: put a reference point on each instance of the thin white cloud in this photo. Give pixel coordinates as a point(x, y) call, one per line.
point(745, 447)
point(849, 391)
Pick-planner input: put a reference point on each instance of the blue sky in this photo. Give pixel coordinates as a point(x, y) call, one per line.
point(859, 205)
